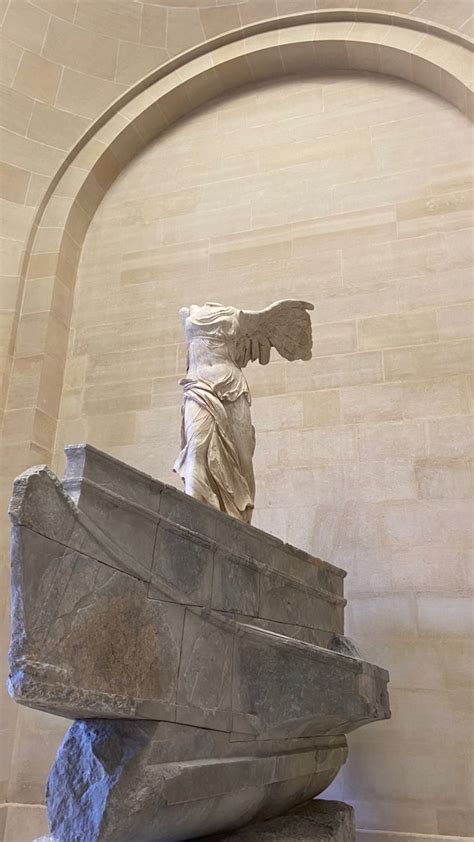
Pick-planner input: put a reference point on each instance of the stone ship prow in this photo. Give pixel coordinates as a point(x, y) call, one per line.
point(204, 659)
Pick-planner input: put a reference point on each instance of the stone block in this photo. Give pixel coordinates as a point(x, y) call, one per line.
point(273, 555)
point(139, 793)
point(136, 60)
point(97, 563)
point(123, 535)
point(264, 684)
point(39, 504)
point(391, 331)
point(456, 322)
point(444, 614)
point(381, 402)
point(51, 126)
point(322, 409)
point(79, 49)
point(38, 736)
point(134, 364)
point(252, 542)
point(22, 821)
point(205, 669)
point(122, 22)
point(11, 54)
point(20, 151)
point(174, 743)
point(123, 432)
point(392, 441)
point(444, 479)
point(182, 566)
point(218, 778)
point(451, 437)
point(315, 821)
point(235, 584)
point(14, 181)
point(387, 615)
point(317, 637)
point(419, 363)
point(88, 100)
point(67, 597)
point(315, 572)
point(336, 371)
point(188, 512)
point(288, 600)
point(26, 25)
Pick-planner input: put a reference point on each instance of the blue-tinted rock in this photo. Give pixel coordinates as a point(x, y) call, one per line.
point(118, 781)
point(91, 761)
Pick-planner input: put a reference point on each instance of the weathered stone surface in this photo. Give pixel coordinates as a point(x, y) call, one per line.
point(183, 562)
point(109, 612)
point(100, 586)
point(150, 782)
point(88, 467)
point(330, 699)
point(85, 463)
point(315, 821)
point(206, 671)
point(317, 637)
point(204, 660)
point(89, 765)
point(235, 583)
point(85, 637)
point(344, 645)
point(288, 600)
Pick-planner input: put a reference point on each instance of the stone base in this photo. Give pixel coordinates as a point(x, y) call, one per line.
point(315, 821)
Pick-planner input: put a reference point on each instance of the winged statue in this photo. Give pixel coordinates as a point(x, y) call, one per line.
point(217, 435)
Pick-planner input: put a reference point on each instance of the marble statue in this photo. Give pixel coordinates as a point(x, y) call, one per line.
point(218, 438)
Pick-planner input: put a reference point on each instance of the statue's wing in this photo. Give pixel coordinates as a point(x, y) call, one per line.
point(285, 325)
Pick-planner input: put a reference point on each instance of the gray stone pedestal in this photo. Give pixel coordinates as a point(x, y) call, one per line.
point(315, 821)
point(203, 660)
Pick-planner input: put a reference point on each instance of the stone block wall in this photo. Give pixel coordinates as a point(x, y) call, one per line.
point(353, 192)
point(350, 191)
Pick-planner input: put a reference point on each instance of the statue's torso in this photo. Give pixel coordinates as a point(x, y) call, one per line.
point(211, 336)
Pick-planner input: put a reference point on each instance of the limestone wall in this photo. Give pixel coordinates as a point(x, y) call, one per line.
point(351, 192)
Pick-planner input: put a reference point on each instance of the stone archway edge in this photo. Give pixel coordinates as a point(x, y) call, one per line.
point(403, 25)
point(396, 45)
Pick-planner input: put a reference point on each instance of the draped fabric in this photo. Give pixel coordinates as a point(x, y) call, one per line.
point(210, 465)
point(218, 443)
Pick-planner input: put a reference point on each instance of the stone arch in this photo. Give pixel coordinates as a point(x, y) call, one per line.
point(435, 58)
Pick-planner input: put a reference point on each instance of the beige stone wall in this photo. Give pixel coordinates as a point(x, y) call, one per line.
point(352, 191)
point(62, 63)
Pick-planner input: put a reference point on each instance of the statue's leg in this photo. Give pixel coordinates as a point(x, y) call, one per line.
point(216, 462)
point(243, 437)
point(199, 426)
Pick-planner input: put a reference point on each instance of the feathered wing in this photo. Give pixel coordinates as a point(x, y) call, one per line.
point(285, 325)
